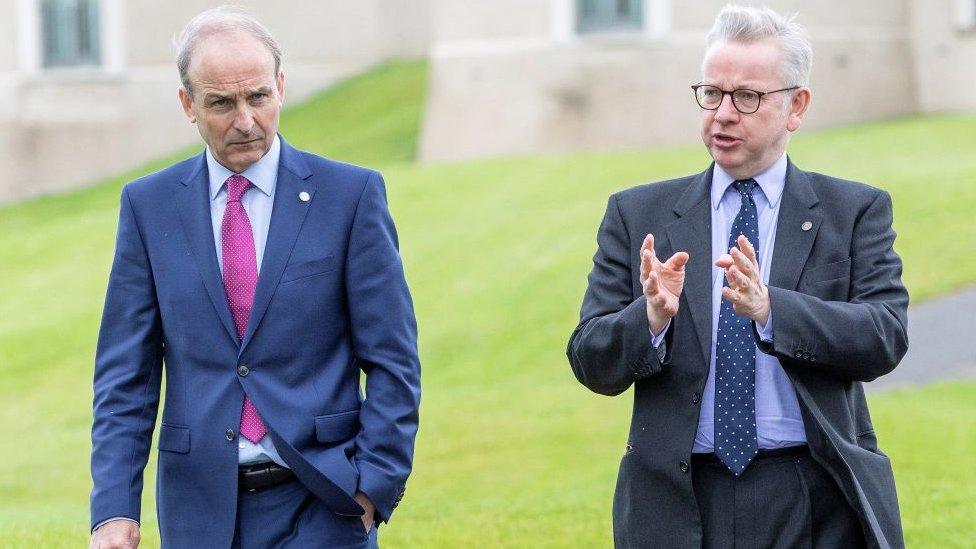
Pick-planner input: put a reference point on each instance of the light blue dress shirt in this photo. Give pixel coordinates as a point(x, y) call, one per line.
point(257, 202)
point(778, 420)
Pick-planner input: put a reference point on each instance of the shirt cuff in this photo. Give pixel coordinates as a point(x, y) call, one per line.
point(657, 339)
point(106, 521)
point(765, 331)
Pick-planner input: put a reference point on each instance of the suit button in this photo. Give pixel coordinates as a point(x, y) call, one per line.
point(684, 467)
point(229, 433)
point(798, 354)
point(813, 357)
point(696, 398)
point(243, 370)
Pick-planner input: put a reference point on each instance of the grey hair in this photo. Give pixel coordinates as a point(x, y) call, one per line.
point(746, 24)
point(215, 21)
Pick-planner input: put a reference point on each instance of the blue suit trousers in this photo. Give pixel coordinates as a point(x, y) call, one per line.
point(288, 515)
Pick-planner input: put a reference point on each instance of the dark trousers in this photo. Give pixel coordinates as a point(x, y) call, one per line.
point(784, 499)
point(288, 515)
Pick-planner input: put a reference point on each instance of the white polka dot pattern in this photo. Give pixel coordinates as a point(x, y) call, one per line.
point(735, 360)
point(240, 281)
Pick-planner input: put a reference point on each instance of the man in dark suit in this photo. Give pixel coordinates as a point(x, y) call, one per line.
point(746, 305)
point(267, 280)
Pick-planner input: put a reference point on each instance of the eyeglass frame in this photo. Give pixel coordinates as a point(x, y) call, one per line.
point(694, 89)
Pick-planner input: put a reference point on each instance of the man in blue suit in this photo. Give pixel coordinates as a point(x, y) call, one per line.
point(265, 279)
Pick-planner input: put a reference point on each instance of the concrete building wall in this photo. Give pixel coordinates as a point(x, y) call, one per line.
point(944, 40)
point(477, 20)
point(68, 127)
point(547, 88)
point(8, 45)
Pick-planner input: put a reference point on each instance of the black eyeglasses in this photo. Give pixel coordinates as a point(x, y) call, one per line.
point(744, 100)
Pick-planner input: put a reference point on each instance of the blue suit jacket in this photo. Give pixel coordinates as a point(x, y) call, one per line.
point(331, 301)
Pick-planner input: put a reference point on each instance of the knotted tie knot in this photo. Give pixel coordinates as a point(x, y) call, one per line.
point(743, 186)
point(237, 185)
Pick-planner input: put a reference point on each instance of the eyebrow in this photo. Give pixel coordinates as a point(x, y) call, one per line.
point(213, 96)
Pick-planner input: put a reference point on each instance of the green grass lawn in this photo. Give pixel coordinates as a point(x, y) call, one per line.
point(512, 451)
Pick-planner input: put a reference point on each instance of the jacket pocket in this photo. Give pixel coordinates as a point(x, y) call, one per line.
point(827, 271)
point(337, 427)
point(174, 438)
point(308, 269)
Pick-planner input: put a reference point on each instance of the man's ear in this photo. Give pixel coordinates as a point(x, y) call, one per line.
point(280, 81)
point(798, 107)
point(187, 101)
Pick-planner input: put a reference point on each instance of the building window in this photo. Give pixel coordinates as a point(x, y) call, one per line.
point(608, 15)
point(70, 33)
point(965, 15)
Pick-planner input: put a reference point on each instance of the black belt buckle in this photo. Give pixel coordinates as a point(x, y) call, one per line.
point(260, 476)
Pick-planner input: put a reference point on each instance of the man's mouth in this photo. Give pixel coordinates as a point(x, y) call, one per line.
point(241, 143)
point(725, 140)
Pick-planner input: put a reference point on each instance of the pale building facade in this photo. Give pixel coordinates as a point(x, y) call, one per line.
point(567, 75)
point(90, 85)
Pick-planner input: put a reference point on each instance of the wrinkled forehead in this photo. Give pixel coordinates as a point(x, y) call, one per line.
point(738, 64)
point(231, 58)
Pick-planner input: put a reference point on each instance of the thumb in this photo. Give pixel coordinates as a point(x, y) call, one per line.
point(678, 261)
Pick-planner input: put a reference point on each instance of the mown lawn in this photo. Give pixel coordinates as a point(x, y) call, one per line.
point(512, 451)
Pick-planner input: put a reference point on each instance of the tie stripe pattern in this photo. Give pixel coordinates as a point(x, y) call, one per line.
point(735, 359)
point(240, 273)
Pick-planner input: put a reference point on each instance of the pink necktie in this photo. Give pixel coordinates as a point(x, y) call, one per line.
point(240, 280)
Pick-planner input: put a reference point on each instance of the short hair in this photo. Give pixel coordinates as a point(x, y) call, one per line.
point(747, 24)
point(215, 21)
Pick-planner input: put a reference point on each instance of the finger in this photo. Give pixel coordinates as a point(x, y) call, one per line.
point(648, 243)
point(742, 262)
point(649, 246)
point(724, 261)
point(677, 261)
point(653, 285)
point(645, 263)
point(733, 278)
point(745, 245)
point(730, 295)
point(737, 279)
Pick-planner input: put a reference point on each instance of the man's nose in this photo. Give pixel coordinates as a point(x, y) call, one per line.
point(244, 121)
point(726, 111)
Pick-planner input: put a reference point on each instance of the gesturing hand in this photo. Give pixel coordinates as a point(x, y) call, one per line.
point(662, 284)
point(746, 291)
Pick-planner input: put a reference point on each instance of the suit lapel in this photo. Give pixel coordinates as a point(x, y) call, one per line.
point(287, 216)
point(691, 233)
point(793, 243)
point(194, 208)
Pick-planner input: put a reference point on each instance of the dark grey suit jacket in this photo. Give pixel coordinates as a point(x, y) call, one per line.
point(839, 314)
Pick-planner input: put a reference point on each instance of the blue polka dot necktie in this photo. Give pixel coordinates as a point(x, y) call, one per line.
point(735, 359)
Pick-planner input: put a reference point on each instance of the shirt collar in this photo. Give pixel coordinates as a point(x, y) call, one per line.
point(263, 174)
point(771, 181)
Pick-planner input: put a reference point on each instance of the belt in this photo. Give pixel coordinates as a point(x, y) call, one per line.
point(260, 476)
point(790, 452)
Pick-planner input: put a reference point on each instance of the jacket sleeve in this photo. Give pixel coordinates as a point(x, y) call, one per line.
point(862, 338)
point(384, 334)
point(128, 367)
point(611, 347)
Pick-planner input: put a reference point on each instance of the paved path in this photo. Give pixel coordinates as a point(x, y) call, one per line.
point(942, 343)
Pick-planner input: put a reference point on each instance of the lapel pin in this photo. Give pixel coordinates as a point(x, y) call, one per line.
point(305, 197)
point(807, 225)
